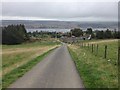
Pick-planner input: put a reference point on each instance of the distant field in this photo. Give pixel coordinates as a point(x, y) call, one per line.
point(95, 70)
point(14, 56)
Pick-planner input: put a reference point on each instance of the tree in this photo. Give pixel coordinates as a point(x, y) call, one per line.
point(100, 34)
point(107, 34)
point(116, 34)
point(89, 31)
point(14, 34)
point(77, 32)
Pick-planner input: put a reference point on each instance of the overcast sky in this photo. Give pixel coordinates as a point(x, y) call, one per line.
point(60, 10)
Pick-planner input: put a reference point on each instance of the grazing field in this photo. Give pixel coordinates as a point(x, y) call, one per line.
point(98, 49)
point(95, 70)
point(16, 56)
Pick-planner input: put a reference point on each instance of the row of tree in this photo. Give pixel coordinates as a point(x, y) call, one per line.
point(14, 34)
point(107, 34)
point(45, 34)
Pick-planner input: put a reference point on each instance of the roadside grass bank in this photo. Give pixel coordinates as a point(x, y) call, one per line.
point(20, 71)
point(95, 71)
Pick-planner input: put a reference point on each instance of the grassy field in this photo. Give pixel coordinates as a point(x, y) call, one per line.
point(95, 70)
point(15, 57)
point(111, 51)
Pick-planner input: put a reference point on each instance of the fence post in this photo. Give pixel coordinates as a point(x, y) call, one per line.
point(92, 48)
point(105, 51)
point(97, 50)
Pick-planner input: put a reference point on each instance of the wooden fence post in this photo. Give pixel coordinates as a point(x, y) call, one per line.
point(97, 50)
point(92, 48)
point(105, 56)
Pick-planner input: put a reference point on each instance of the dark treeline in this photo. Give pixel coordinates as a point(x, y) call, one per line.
point(107, 34)
point(44, 34)
point(14, 34)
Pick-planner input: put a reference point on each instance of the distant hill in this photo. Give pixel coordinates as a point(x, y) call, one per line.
point(60, 24)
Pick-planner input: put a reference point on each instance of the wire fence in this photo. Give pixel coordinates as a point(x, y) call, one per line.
point(106, 51)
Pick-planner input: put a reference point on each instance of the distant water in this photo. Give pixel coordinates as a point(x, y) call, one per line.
point(66, 30)
point(50, 30)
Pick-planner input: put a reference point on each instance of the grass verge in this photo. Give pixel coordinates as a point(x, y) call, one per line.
point(95, 72)
point(20, 71)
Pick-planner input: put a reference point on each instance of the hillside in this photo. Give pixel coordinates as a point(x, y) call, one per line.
point(60, 24)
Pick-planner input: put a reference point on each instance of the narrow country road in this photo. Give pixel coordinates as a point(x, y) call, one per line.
point(57, 70)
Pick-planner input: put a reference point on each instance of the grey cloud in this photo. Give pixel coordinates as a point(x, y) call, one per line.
point(61, 10)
